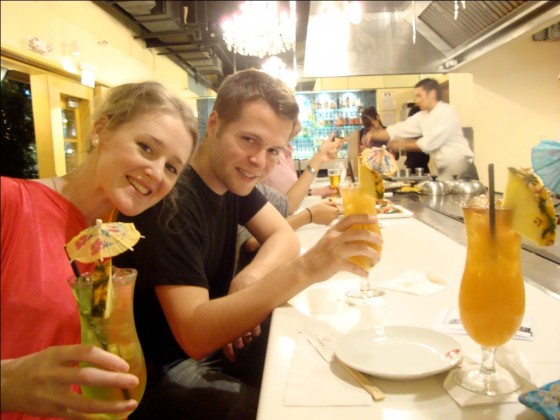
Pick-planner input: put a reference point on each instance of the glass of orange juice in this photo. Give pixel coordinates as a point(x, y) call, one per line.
point(491, 297)
point(356, 200)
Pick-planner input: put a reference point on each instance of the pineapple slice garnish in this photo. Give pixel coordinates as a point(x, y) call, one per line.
point(102, 294)
point(533, 211)
point(371, 181)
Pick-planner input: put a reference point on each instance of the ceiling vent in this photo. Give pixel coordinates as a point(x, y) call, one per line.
point(552, 33)
point(208, 66)
point(475, 18)
point(156, 16)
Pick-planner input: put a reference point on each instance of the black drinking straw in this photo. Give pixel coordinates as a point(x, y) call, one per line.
point(351, 171)
point(77, 273)
point(492, 200)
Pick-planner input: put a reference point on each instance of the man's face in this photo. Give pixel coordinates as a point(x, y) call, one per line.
point(425, 100)
point(244, 152)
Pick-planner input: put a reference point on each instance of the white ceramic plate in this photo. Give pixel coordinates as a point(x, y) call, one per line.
point(402, 213)
point(399, 352)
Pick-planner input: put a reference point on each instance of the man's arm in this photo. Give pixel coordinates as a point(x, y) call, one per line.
point(202, 326)
point(410, 145)
point(279, 245)
point(378, 135)
point(198, 323)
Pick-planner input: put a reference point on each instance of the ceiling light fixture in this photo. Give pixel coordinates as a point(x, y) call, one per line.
point(259, 30)
point(456, 8)
point(277, 68)
point(354, 11)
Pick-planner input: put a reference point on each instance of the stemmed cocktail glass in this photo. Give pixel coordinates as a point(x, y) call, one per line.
point(105, 303)
point(492, 295)
point(356, 200)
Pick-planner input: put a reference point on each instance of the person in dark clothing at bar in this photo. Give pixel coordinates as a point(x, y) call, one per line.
point(416, 159)
point(199, 323)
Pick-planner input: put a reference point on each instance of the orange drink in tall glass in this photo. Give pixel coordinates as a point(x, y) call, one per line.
point(491, 297)
point(356, 200)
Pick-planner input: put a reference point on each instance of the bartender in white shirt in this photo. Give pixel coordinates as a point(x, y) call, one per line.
point(436, 131)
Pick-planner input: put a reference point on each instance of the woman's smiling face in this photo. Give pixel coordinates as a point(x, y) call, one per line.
point(139, 161)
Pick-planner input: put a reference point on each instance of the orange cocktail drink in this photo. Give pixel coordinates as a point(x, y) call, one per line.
point(492, 294)
point(356, 200)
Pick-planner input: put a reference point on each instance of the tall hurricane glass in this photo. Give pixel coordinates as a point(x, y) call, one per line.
point(356, 200)
point(115, 332)
point(492, 296)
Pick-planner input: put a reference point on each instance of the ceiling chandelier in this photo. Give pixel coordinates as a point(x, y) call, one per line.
point(259, 30)
point(277, 68)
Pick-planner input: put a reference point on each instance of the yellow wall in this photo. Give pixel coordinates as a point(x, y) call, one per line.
point(516, 97)
point(101, 40)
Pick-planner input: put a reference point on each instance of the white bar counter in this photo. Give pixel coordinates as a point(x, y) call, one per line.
point(408, 245)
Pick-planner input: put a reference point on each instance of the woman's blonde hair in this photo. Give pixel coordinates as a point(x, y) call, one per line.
point(128, 101)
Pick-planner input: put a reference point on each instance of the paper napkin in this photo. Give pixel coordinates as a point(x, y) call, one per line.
point(314, 382)
point(449, 322)
point(322, 338)
point(415, 282)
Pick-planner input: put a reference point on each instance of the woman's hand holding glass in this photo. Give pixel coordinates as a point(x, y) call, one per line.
point(40, 384)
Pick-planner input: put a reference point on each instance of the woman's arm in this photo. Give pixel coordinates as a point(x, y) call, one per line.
point(297, 192)
point(321, 213)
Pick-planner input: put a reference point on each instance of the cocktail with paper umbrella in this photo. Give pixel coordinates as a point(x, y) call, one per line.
point(104, 240)
point(545, 158)
point(105, 297)
point(374, 164)
point(362, 197)
point(379, 159)
point(97, 245)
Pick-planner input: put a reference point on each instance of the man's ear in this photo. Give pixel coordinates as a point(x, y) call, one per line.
point(213, 123)
point(433, 95)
